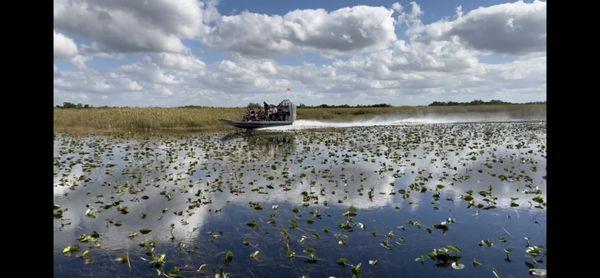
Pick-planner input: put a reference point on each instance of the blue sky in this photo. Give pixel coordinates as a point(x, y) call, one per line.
point(435, 9)
point(229, 53)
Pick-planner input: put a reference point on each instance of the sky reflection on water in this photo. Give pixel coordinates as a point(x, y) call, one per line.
point(213, 183)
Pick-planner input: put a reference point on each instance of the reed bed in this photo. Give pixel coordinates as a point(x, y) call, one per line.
point(100, 120)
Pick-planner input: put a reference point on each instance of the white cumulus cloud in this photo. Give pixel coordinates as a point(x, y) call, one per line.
point(366, 62)
point(513, 28)
point(129, 26)
point(64, 47)
point(341, 31)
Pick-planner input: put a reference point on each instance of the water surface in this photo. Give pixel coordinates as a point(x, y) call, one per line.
point(304, 199)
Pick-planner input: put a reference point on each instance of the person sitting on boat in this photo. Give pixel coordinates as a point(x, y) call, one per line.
point(259, 114)
point(247, 115)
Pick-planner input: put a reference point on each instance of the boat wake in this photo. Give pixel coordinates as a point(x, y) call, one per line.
point(314, 124)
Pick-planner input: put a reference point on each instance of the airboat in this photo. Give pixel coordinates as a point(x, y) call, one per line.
point(268, 116)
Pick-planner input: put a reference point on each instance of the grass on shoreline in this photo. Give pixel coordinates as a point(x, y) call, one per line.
point(107, 120)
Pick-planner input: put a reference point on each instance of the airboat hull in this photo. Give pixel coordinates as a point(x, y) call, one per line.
point(255, 125)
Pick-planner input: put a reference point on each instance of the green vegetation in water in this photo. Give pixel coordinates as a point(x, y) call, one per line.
point(306, 200)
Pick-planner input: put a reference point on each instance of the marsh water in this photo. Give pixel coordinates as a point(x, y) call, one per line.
point(423, 200)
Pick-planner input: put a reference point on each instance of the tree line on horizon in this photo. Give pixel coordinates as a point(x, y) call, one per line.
point(343, 105)
point(256, 105)
point(480, 102)
point(73, 105)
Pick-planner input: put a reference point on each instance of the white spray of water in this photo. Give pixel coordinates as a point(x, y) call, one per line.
point(401, 120)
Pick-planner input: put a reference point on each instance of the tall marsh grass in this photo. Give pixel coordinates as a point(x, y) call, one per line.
point(92, 120)
point(135, 119)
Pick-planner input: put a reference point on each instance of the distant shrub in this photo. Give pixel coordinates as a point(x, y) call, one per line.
point(480, 102)
point(73, 105)
point(345, 106)
point(253, 105)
